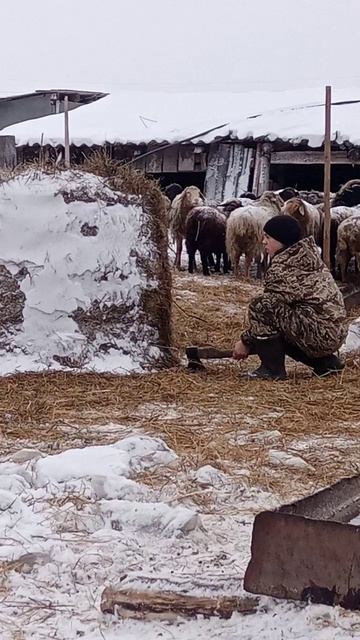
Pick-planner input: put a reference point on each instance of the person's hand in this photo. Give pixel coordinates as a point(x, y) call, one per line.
point(241, 351)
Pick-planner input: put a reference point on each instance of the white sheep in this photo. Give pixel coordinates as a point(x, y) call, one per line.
point(348, 243)
point(245, 230)
point(180, 208)
point(308, 216)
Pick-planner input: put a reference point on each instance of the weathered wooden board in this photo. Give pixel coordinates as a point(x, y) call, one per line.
point(170, 159)
point(154, 163)
point(228, 170)
point(309, 157)
point(186, 158)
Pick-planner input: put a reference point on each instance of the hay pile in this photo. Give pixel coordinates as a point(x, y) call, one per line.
point(85, 268)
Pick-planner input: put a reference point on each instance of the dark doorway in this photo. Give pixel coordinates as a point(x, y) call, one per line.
point(183, 178)
point(305, 176)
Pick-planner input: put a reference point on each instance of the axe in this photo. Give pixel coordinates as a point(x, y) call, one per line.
point(194, 355)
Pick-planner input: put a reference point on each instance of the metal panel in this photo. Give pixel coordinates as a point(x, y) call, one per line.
point(299, 558)
point(14, 109)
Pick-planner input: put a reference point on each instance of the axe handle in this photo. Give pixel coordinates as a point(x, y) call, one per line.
point(209, 353)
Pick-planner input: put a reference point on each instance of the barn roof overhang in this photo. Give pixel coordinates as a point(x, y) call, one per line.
point(40, 103)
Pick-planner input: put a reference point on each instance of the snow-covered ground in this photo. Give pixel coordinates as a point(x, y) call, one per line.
point(73, 523)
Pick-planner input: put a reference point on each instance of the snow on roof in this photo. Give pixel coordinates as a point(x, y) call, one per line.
point(136, 117)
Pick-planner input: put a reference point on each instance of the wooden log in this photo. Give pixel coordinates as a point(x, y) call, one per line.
point(129, 603)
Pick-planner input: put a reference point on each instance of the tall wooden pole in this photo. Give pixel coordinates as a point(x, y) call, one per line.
point(327, 178)
point(67, 139)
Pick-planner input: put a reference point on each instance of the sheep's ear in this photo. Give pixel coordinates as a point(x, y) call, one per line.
point(302, 209)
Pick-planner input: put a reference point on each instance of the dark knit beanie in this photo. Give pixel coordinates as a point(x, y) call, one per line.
point(284, 229)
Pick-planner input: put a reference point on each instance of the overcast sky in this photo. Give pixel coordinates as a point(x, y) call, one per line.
point(184, 45)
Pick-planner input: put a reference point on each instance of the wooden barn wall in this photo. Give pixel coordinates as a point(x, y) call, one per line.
point(228, 171)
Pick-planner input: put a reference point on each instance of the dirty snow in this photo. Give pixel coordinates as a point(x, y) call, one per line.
point(61, 270)
point(80, 520)
point(352, 344)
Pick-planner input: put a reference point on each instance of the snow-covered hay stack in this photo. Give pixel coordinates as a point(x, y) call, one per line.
point(84, 277)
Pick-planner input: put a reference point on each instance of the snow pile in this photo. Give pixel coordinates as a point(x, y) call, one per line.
point(97, 475)
point(77, 261)
point(282, 458)
point(352, 343)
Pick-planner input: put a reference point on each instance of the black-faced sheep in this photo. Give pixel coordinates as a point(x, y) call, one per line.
point(180, 208)
point(173, 190)
point(244, 232)
point(205, 232)
point(288, 193)
point(227, 206)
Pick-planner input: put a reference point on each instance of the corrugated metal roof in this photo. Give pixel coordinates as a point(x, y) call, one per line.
point(165, 118)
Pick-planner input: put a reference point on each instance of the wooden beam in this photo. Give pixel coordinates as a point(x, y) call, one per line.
point(255, 184)
point(67, 137)
point(327, 178)
point(264, 171)
point(129, 603)
point(310, 157)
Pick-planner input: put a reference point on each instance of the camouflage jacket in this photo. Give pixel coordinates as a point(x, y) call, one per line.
point(301, 300)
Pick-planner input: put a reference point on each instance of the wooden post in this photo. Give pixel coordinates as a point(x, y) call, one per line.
point(327, 178)
point(265, 161)
point(256, 176)
point(67, 139)
point(262, 168)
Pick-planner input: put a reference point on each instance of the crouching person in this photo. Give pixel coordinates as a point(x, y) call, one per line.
point(301, 312)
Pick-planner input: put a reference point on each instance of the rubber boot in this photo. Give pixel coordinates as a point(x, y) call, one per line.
point(272, 356)
point(324, 366)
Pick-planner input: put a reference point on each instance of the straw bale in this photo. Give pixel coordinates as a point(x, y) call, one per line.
point(106, 323)
point(156, 303)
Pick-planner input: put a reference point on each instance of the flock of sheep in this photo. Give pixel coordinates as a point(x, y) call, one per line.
point(233, 228)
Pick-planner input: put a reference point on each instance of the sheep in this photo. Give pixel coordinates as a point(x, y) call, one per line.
point(337, 216)
point(312, 197)
point(173, 190)
point(244, 232)
point(348, 244)
point(348, 195)
point(205, 232)
point(307, 215)
point(181, 205)
point(249, 195)
point(230, 205)
point(288, 193)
